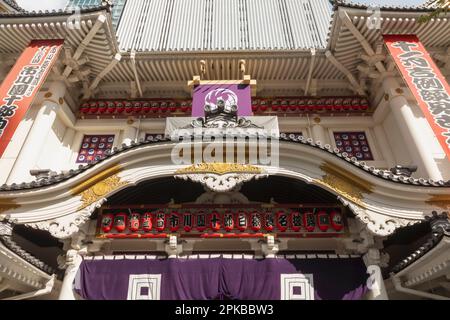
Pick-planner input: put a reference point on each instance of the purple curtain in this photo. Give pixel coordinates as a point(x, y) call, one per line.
point(214, 278)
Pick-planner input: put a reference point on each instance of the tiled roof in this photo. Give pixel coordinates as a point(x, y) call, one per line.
point(358, 5)
point(211, 25)
point(13, 4)
point(56, 178)
point(46, 13)
point(8, 242)
point(440, 228)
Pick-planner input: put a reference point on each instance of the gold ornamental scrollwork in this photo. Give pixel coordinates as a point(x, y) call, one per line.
point(100, 190)
point(98, 186)
point(220, 168)
point(345, 184)
point(8, 204)
point(441, 201)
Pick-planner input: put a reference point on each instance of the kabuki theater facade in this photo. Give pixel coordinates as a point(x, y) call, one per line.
point(224, 149)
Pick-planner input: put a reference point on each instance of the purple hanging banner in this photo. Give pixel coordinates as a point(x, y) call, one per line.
point(215, 278)
point(226, 95)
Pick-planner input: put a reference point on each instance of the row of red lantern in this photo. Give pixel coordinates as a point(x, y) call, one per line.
point(310, 104)
point(302, 108)
point(119, 107)
point(241, 220)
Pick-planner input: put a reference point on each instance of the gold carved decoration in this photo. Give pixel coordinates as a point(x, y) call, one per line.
point(219, 168)
point(8, 204)
point(98, 186)
point(345, 183)
point(441, 201)
point(101, 189)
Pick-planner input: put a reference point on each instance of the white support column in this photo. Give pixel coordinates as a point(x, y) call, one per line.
point(76, 144)
point(270, 248)
point(67, 146)
point(38, 134)
point(129, 135)
point(375, 283)
point(384, 145)
point(408, 125)
point(173, 249)
point(73, 261)
point(318, 132)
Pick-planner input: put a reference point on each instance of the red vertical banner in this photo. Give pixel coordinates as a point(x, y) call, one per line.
point(22, 83)
point(425, 81)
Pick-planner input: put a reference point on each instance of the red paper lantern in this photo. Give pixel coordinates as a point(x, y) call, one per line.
point(128, 107)
point(214, 221)
point(282, 221)
point(102, 107)
point(146, 107)
point(134, 222)
point(241, 221)
point(172, 107)
point(200, 221)
point(155, 107)
point(255, 221)
point(160, 221)
point(323, 220)
point(84, 108)
point(147, 223)
point(111, 107)
point(296, 221)
point(268, 221)
point(263, 105)
point(174, 221)
point(336, 220)
point(107, 222)
point(228, 221)
point(163, 107)
point(184, 106)
point(293, 105)
point(188, 221)
point(120, 222)
point(119, 107)
point(137, 107)
point(309, 221)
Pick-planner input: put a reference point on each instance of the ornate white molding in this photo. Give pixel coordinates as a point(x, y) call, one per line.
point(378, 223)
point(66, 226)
point(221, 183)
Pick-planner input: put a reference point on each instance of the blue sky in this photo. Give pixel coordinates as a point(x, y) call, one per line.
point(58, 4)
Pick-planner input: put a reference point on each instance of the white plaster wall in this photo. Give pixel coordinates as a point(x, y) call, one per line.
point(12, 151)
point(396, 141)
point(434, 146)
point(57, 156)
point(51, 155)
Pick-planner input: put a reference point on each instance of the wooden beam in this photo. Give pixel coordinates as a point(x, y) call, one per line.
point(85, 42)
point(310, 72)
point(362, 40)
point(136, 76)
point(345, 71)
point(100, 76)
